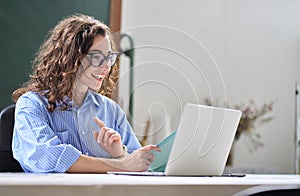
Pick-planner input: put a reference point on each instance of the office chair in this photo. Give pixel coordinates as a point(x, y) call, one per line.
point(7, 162)
point(271, 190)
point(280, 192)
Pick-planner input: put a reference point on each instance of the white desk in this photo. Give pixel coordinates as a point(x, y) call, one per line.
point(102, 184)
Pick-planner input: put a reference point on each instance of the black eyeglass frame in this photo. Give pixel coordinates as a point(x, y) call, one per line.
point(105, 58)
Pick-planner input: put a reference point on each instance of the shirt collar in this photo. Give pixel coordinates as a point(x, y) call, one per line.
point(90, 96)
point(67, 100)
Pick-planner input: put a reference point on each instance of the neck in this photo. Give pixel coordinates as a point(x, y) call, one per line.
point(79, 92)
point(78, 97)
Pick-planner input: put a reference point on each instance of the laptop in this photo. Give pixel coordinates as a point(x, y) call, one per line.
point(199, 147)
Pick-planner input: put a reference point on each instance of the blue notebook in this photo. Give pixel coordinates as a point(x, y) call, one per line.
point(161, 158)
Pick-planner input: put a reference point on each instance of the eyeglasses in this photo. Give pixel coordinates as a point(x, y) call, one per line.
point(97, 58)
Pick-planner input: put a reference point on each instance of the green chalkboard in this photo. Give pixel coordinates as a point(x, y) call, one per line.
point(23, 27)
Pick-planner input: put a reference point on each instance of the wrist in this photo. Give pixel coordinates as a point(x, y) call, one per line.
point(125, 153)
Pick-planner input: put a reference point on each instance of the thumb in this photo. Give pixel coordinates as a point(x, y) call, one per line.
point(149, 148)
point(96, 134)
point(99, 122)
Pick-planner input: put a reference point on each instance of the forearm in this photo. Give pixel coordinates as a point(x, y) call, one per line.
point(87, 164)
point(139, 160)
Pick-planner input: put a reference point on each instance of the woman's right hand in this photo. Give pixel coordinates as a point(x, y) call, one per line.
point(140, 159)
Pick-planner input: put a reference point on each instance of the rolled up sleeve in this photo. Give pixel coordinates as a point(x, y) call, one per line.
point(35, 145)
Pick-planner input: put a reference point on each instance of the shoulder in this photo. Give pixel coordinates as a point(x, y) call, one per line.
point(31, 99)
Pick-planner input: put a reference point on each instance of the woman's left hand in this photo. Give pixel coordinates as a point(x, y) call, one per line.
point(109, 139)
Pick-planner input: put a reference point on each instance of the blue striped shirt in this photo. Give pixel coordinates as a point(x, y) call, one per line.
point(53, 141)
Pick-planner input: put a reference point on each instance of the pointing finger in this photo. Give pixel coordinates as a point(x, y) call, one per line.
point(99, 122)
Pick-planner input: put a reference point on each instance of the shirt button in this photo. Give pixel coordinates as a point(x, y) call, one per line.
point(86, 153)
point(83, 132)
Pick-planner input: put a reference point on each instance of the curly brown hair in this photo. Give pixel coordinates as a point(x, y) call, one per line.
point(58, 59)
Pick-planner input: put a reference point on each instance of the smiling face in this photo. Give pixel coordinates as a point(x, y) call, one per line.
point(91, 77)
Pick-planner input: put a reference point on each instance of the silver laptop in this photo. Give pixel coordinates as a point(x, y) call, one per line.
point(199, 147)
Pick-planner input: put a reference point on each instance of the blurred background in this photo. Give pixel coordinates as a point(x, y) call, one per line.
point(233, 53)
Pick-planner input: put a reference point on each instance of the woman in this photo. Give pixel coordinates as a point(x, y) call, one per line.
point(58, 111)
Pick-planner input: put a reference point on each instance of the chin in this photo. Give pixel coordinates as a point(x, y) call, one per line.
point(97, 88)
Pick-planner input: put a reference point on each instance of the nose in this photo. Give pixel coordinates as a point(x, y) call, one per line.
point(106, 65)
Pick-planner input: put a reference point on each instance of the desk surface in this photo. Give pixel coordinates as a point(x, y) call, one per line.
point(98, 184)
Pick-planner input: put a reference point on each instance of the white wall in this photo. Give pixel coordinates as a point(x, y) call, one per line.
point(228, 50)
